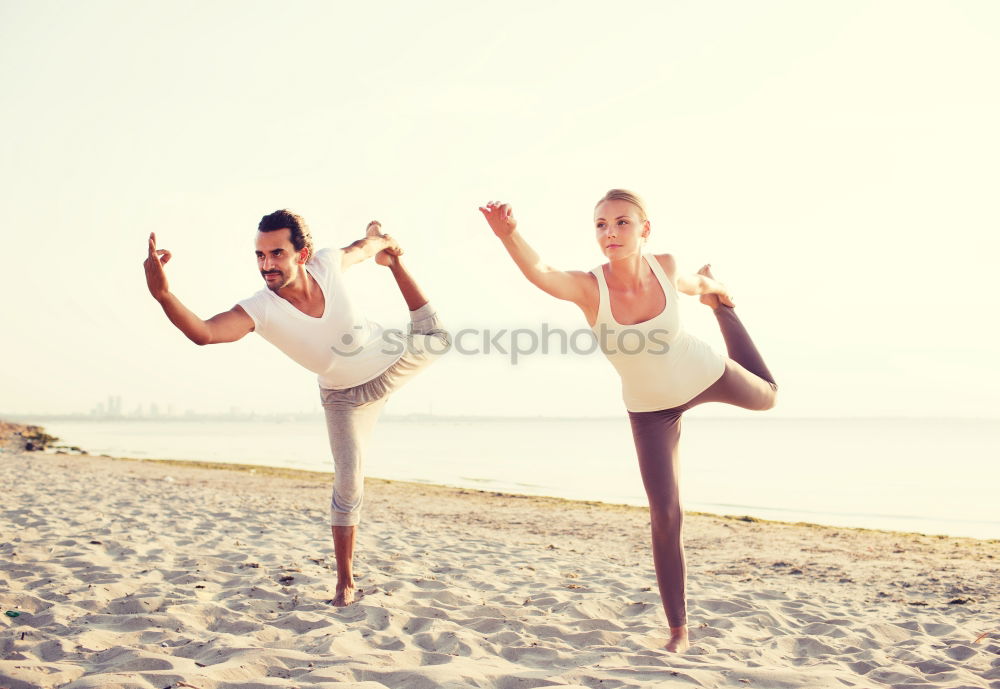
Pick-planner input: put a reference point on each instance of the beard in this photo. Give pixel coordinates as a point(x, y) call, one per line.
point(274, 285)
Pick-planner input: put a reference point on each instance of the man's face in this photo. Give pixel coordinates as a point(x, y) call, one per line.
point(277, 259)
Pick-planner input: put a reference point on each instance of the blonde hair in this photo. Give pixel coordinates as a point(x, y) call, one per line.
point(625, 195)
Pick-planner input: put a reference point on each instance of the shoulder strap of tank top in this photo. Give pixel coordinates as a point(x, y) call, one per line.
point(604, 300)
point(660, 274)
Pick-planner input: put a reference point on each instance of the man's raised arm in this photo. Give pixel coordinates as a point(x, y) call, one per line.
point(227, 326)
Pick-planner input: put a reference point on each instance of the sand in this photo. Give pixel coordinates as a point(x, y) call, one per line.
point(154, 574)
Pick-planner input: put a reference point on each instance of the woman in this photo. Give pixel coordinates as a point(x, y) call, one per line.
point(631, 303)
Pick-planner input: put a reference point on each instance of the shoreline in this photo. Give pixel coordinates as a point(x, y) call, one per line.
point(553, 501)
point(713, 484)
point(8, 428)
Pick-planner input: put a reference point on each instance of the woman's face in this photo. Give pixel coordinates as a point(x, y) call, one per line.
point(620, 231)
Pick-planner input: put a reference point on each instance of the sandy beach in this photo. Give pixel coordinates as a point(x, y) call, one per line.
point(141, 574)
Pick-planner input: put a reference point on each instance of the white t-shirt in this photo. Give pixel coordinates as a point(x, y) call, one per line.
point(342, 346)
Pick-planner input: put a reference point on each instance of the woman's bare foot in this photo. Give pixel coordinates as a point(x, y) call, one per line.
point(344, 597)
point(678, 642)
point(711, 300)
point(714, 300)
point(374, 229)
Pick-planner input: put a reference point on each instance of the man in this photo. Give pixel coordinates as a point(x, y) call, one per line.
point(307, 313)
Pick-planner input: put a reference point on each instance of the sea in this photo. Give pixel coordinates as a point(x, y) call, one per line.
point(931, 476)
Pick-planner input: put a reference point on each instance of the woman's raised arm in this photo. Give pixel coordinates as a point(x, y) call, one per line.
point(569, 285)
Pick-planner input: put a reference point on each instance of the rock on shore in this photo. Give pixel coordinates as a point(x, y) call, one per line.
point(16, 437)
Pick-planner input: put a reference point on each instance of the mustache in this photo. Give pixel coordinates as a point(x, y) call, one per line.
point(270, 272)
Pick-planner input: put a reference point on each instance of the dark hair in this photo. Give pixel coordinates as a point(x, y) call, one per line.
point(298, 230)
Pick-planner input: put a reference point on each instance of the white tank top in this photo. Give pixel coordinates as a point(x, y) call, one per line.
point(342, 346)
point(661, 366)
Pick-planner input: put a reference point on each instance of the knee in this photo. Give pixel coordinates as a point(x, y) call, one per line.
point(347, 497)
point(345, 510)
point(767, 398)
point(443, 338)
point(429, 343)
point(666, 519)
point(440, 341)
point(771, 398)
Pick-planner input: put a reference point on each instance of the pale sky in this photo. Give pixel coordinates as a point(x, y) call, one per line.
point(836, 162)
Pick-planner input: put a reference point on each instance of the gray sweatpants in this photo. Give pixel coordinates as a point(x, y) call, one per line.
point(351, 413)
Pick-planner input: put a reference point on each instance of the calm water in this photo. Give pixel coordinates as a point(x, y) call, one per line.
point(930, 476)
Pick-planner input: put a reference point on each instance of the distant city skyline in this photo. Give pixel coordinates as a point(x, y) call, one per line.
point(123, 409)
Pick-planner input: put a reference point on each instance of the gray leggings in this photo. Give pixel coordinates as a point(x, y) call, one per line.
point(351, 413)
point(746, 383)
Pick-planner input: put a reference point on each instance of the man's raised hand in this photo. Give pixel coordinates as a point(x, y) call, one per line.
point(156, 277)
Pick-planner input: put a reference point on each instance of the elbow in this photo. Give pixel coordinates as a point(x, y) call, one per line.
point(200, 339)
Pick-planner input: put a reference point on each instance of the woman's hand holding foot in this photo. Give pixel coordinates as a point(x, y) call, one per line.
point(719, 294)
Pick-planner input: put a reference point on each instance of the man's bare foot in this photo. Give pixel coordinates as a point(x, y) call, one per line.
point(388, 257)
point(678, 642)
point(384, 257)
point(344, 597)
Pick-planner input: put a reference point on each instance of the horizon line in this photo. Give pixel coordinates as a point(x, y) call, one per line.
point(243, 416)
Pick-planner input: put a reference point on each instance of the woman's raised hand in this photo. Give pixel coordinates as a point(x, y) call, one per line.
point(500, 217)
